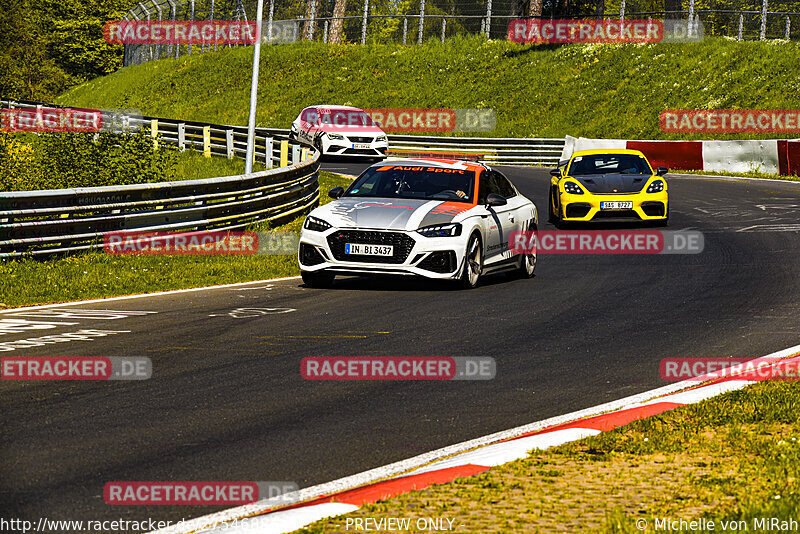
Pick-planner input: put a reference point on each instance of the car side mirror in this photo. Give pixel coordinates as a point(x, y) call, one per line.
point(496, 200)
point(661, 171)
point(336, 192)
point(555, 172)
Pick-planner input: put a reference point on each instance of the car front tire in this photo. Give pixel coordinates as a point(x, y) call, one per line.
point(473, 263)
point(528, 261)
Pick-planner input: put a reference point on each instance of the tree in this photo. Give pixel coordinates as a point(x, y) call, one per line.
point(312, 9)
point(46, 46)
point(672, 5)
point(337, 26)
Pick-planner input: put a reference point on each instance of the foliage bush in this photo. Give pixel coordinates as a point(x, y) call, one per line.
point(59, 161)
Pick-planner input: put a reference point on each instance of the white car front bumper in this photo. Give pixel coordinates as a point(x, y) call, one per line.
point(414, 254)
point(364, 146)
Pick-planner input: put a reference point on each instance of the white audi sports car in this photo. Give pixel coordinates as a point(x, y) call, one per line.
point(441, 219)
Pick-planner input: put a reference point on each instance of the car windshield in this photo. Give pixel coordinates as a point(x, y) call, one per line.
point(609, 164)
point(403, 181)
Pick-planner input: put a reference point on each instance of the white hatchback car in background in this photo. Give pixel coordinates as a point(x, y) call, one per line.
point(340, 131)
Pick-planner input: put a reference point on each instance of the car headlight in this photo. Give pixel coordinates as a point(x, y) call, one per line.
point(656, 186)
point(334, 136)
point(572, 188)
point(315, 225)
point(380, 139)
point(441, 230)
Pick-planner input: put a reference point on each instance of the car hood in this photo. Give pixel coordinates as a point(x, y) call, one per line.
point(613, 183)
point(389, 213)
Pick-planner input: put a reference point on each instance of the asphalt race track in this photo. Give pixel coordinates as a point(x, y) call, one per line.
point(227, 402)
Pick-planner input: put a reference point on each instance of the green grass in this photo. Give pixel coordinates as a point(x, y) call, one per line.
point(543, 91)
point(98, 275)
point(732, 457)
point(192, 165)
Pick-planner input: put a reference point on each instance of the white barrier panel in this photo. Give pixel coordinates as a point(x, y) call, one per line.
point(573, 144)
point(741, 156)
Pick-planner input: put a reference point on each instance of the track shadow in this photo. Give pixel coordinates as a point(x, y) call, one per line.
point(412, 283)
point(549, 47)
point(609, 225)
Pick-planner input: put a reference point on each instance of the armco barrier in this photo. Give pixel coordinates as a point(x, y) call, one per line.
point(65, 220)
point(496, 151)
point(493, 150)
point(789, 157)
point(766, 156)
point(671, 154)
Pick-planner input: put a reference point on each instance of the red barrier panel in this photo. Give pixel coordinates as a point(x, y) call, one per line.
point(789, 157)
point(686, 155)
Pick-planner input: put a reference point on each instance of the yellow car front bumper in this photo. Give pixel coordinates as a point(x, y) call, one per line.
point(587, 207)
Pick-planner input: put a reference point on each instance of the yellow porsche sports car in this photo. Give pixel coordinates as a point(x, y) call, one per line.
point(608, 184)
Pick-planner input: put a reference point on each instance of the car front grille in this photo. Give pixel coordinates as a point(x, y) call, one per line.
point(617, 214)
point(441, 261)
point(362, 151)
point(360, 139)
point(402, 244)
point(577, 210)
point(653, 209)
point(309, 255)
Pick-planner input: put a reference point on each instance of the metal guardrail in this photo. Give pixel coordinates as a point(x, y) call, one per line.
point(35, 223)
point(492, 150)
point(495, 151)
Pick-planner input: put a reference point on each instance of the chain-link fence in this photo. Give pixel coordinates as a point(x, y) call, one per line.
point(414, 21)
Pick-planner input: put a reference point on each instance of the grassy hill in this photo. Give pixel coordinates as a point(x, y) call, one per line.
point(543, 91)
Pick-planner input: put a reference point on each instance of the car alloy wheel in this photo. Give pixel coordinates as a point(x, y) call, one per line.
point(528, 263)
point(473, 263)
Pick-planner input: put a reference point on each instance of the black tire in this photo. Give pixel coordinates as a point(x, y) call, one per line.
point(526, 266)
point(319, 280)
point(473, 263)
point(551, 215)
